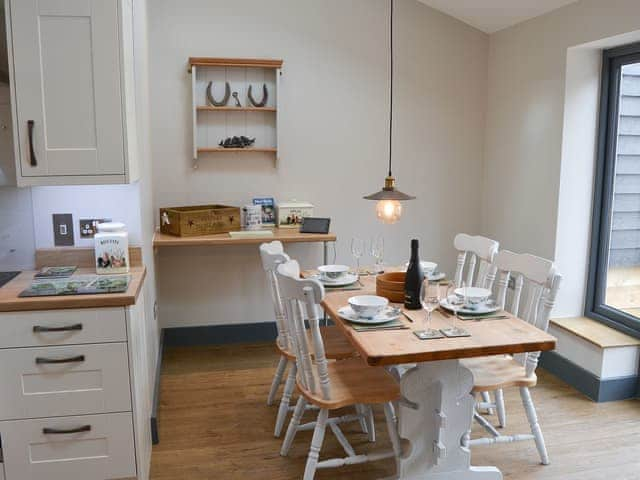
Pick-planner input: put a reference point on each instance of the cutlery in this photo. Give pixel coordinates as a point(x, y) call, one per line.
point(373, 329)
point(407, 317)
point(444, 313)
point(478, 318)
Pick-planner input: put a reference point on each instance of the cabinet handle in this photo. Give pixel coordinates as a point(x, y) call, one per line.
point(59, 431)
point(69, 328)
point(41, 360)
point(32, 153)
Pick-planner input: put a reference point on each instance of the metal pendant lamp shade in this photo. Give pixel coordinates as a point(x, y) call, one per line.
point(389, 208)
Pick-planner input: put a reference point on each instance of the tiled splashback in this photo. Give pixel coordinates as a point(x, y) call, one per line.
point(25, 216)
point(17, 240)
point(120, 203)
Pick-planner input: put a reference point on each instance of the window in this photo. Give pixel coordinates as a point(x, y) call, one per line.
point(613, 294)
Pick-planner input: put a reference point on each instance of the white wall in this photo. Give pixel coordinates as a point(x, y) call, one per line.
point(333, 134)
point(524, 140)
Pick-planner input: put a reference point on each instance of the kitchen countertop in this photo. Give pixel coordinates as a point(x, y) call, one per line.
point(10, 302)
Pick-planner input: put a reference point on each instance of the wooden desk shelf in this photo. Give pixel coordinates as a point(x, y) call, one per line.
point(282, 234)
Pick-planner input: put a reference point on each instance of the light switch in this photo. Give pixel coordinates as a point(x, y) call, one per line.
point(63, 230)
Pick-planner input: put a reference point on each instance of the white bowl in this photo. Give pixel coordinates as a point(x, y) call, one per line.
point(333, 272)
point(473, 294)
point(427, 267)
point(368, 306)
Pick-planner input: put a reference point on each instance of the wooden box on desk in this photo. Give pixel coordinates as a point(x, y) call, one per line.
point(199, 220)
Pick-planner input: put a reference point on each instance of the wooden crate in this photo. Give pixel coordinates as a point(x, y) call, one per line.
point(199, 220)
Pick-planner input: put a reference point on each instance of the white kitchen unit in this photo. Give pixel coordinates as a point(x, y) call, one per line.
point(75, 402)
point(72, 80)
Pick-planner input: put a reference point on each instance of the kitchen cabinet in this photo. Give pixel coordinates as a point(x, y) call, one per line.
point(77, 391)
point(72, 81)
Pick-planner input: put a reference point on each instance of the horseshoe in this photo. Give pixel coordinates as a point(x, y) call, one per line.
point(212, 101)
point(265, 96)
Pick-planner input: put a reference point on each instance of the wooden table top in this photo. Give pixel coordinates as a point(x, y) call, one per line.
point(10, 302)
point(391, 347)
point(285, 235)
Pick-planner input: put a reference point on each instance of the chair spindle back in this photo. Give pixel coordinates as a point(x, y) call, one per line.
point(535, 289)
point(302, 296)
point(477, 250)
point(272, 255)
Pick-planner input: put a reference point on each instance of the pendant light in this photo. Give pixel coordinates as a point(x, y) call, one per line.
point(388, 206)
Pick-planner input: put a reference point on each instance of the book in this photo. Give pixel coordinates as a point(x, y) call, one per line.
point(56, 272)
point(268, 210)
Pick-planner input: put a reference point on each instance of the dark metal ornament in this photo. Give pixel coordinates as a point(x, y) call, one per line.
point(265, 96)
point(227, 94)
point(237, 142)
point(235, 96)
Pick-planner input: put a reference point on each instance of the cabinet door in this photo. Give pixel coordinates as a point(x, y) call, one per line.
point(66, 59)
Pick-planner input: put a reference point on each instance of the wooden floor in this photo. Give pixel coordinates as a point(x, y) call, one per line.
point(214, 424)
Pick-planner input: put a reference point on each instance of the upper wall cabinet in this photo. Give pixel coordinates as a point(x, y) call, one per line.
point(73, 91)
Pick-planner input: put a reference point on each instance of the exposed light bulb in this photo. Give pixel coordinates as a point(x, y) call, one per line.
point(389, 211)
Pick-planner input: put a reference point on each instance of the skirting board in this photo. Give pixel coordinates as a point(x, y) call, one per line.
point(586, 382)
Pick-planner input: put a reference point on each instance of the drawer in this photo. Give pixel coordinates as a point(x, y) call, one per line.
point(101, 449)
point(62, 327)
point(70, 380)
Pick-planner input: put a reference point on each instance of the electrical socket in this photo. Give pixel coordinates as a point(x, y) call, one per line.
point(63, 230)
point(88, 226)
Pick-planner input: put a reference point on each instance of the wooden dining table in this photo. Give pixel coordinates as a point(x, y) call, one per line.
point(436, 410)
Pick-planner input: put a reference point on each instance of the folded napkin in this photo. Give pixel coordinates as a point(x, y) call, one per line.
point(392, 325)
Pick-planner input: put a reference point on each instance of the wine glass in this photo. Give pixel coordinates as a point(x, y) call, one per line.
point(377, 251)
point(430, 300)
point(455, 305)
point(357, 250)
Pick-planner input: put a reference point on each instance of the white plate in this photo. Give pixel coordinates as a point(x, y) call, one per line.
point(387, 315)
point(435, 277)
point(426, 266)
point(480, 308)
point(348, 279)
point(474, 294)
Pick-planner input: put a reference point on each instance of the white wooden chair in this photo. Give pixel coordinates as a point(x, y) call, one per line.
point(329, 385)
point(338, 346)
point(535, 289)
point(477, 251)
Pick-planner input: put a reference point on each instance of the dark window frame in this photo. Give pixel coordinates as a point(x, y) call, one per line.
point(612, 61)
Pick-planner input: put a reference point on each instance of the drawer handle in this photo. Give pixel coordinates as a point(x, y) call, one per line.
point(68, 328)
point(58, 431)
point(32, 154)
point(79, 358)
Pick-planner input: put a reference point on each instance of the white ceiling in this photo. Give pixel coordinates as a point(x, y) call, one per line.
point(493, 15)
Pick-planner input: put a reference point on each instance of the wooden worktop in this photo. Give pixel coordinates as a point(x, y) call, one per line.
point(285, 235)
point(10, 302)
point(83, 258)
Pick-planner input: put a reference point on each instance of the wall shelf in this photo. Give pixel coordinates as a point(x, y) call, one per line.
point(209, 108)
point(240, 74)
point(243, 150)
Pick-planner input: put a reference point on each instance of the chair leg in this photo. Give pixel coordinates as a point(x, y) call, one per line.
point(360, 410)
point(293, 426)
point(316, 445)
point(535, 426)
point(277, 379)
point(487, 399)
point(371, 426)
point(392, 426)
point(500, 409)
point(286, 399)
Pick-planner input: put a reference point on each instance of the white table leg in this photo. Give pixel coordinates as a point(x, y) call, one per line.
point(435, 419)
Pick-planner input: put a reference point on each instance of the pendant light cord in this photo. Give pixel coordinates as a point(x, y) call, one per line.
point(390, 83)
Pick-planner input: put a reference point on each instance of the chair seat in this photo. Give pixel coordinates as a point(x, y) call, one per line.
point(500, 371)
point(336, 344)
point(353, 381)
